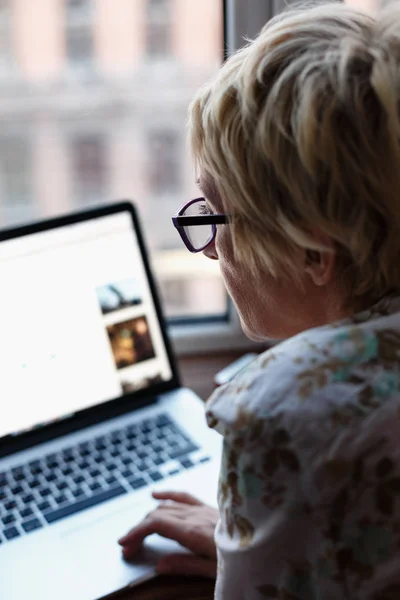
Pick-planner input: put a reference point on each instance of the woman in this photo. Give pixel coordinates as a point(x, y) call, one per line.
point(297, 143)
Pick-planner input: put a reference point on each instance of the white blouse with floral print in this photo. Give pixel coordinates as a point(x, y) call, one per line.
point(309, 491)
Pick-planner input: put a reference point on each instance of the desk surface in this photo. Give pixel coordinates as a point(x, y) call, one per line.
point(171, 588)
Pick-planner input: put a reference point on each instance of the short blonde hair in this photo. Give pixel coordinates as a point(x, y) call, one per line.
point(300, 132)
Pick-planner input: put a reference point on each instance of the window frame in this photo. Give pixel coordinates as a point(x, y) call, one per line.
point(225, 333)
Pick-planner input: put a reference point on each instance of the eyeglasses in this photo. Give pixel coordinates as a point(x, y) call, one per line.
point(196, 225)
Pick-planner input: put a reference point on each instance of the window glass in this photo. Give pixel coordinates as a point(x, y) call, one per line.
point(163, 162)
point(94, 98)
point(89, 168)
point(159, 28)
point(16, 177)
point(79, 27)
point(6, 42)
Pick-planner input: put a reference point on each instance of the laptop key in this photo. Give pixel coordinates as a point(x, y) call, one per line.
point(11, 533)
point(126, 473)
point(36, 470)
point(138, 483)
point(155, 476)
point(94, 486)
point(187, 463)
point(27, 512)
point(34, 483)
point(110, 466)
point(10, 505)
point(100, 444)
point(31, 525)
point(182, 451)
point(162, 420)
point(17, 471)
point(71, 509)
point(28, 498)
point(41, 506)
point(8, 519)
point(61, 499)
point(111, 479)
point(99, 459)
point(174, 471)
point(78, 479)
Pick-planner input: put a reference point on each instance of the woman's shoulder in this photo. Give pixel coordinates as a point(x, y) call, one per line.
point(347, 366)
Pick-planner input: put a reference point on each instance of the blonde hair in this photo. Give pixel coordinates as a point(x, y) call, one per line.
point(300, 133)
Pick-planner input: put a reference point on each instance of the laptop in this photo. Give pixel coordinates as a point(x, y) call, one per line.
point(92, 414)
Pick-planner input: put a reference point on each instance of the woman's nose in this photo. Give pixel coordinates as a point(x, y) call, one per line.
point(210, 251)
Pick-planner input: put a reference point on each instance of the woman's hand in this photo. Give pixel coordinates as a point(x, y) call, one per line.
point(186, 520)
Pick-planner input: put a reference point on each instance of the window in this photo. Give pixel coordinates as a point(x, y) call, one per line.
point(174, 293)
point(16, 193)
point(164, 162)
point(79, 9)
point(79, 34)
point(6, 38)
point(68, 142)
point(159, 29)
point(89, 169)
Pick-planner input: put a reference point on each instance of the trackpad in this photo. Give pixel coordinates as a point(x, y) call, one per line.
point(97, 556)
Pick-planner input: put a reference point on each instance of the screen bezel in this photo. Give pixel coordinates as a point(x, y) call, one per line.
point(12, 443)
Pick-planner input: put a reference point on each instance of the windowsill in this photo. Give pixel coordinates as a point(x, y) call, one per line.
point(210, 337)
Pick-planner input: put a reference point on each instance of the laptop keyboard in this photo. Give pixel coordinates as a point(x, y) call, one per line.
point(61, 484)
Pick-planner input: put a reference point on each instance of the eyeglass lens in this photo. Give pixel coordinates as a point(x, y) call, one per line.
point(198, 235)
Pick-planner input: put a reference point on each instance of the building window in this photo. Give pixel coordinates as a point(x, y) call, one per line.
point(78, 9)
point(65, 144)
point(164, 162)
point(16, 190)
point(6, 37)
point(89, 169)
point(175, 295)
point(79, 34)
point(159, 28)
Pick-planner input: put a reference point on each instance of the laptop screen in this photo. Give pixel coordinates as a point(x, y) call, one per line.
point(78, 323)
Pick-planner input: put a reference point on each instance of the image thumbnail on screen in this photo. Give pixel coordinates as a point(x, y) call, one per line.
point(119, 295)
point(130, 342)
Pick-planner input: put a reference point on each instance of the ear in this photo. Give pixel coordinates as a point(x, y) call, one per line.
point(320, 264)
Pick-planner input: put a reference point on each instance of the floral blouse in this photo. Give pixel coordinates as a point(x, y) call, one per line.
point(309, 491)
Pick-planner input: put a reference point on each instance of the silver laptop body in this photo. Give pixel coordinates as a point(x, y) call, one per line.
point(92, 414)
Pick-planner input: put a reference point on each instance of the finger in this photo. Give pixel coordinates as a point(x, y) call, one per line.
point(177, 497)
point(170, 528)
point(183, 564)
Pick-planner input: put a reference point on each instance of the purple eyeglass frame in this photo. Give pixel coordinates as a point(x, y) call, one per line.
point(180, 222)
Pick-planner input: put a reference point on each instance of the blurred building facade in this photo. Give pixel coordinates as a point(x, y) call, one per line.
point(93, 103)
